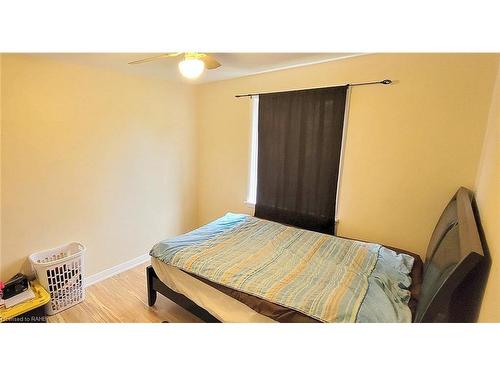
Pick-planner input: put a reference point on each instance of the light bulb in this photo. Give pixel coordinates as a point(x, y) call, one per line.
point(191, 68)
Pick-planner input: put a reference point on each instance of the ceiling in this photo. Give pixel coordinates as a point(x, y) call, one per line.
point(233, 64)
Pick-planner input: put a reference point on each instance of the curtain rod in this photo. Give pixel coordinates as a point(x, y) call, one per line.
point(383, 82)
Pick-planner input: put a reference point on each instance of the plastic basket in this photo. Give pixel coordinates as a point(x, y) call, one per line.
point(60, 271)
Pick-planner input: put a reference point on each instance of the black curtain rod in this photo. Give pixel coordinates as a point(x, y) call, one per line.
point(383, 82)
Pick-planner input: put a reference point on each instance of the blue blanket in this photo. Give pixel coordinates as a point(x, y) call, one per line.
point(385, 299)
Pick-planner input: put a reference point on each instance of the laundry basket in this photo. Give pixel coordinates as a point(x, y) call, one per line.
point(60, 271)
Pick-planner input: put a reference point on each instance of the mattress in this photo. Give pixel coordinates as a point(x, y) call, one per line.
point(219, 304)
point(389, 298)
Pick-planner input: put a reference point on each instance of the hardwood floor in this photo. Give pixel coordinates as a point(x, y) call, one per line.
point(123, 299)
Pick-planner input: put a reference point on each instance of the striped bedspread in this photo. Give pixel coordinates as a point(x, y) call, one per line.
point(322, 276)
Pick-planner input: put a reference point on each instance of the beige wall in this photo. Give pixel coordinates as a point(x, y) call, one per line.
point(488, 201)
point(409, 146)
point(96, 156)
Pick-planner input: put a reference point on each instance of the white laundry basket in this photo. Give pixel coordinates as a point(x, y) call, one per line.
point(60, 271)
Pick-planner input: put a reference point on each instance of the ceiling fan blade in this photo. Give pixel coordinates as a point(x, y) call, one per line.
point(155, 58)
point(210, 62)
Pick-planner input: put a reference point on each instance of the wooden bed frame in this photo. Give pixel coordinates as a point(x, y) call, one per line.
point(453, 278)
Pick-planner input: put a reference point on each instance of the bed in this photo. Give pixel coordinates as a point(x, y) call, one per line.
point(244, 269)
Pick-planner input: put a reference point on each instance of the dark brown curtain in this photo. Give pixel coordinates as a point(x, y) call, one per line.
point(300, 138)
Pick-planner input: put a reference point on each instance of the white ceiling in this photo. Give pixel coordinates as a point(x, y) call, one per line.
point(233, 64)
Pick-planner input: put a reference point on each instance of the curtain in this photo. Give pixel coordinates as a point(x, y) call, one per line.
point(299, 144)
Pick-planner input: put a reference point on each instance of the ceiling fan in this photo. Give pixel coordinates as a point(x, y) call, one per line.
point(192, 64)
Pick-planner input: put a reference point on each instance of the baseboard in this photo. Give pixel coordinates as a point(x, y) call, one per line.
point(92, 279)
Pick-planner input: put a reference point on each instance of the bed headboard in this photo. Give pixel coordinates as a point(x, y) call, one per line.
point(453, 259)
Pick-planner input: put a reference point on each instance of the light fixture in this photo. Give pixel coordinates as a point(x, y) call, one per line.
point(191, 67)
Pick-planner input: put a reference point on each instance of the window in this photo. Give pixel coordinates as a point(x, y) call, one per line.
point(252, 180)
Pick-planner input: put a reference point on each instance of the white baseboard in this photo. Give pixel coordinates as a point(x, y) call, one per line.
point(92, 279)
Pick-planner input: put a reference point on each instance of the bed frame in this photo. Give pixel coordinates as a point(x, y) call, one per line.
point(155, 285)
point(453, 275)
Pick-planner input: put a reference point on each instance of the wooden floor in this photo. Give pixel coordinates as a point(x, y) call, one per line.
point(123, 299)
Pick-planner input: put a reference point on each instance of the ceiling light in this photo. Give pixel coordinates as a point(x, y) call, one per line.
point(191, 68)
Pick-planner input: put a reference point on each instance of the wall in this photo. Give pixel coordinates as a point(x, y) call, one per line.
point(409, 146)
point(488, 201)
point(96, 156)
